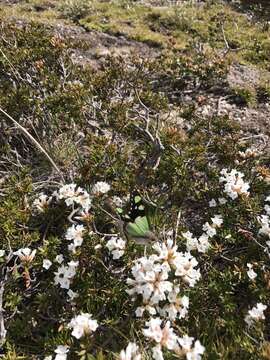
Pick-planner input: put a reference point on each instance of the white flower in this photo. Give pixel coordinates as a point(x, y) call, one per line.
point(212, 203)
point(192, 353)
point(61, 278)
point(141, 309)
point(68, 193)
point(222, 201)
point(64, 275)
point(73, 194)
point(268, 198)
point(116, 246)
point(265, 225)
point(26, 255)
point(46, 264)
point(255, 314)
point(84, 200)
point(177, 307)
point(248, 153)
point(72, 295)
point(75, 233)
point(163, 335)
point(130, 353)
point(42, 202)
point(61, 352)
point(59, 258)
point(192, 242)
point(217, 221)
point(2, 253)
point(201, 244)
point(157, 353)
point(185, 267)
point(83, 325)
point(101, 187)
point(48, 357)
point(167, 252)
point(150, 280)
point(267, 209)
point(251, 273)
point(234, 184)
point(71, 268)
point(209, 229)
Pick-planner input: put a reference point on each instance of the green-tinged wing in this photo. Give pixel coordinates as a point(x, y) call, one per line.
point(139, 228)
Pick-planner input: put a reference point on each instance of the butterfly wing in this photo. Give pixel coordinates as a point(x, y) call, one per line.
point(137, 207)
point(139, 231)
point(139, 227)
point(136, 221)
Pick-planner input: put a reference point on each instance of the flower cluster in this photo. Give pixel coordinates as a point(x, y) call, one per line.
point(116, 246)
point(164, 337)
point(65, 274)
point(155, 280)
point(248, 153)
point(255, 314)
point(101, 187)
point(26, 255)
point(130, 353)
point(75, 234)
point(151, 278)
point(234, 184)
point(74, 195)
point(264, 220)
point(61, 353)
point(42, 203)
point(202, 243)
point(82, 325)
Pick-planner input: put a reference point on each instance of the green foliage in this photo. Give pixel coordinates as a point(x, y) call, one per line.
point(75, 9)
point(93, 126)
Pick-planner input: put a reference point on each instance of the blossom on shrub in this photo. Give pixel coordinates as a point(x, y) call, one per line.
point(186, 348)
point(101, 187)
point(61, 352)
point(116, 246)
point(26, 255)
point(72, 295)
point(201, 244)
point(234, 184)
point(162, 335)
point(264, 220)
point(46, 264)
point(177, 306)
point(42, 202)
point(59, 258)
point(185, 265)
point(255, 314)
point(75, 233)
point(212, 203)
point(150, 280)
point(251, 273)
point(82, 325)
point(73, 194)
point(65, 274)
point(130, 353)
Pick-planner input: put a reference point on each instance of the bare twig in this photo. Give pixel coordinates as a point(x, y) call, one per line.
point(177, 226)
point(3, 331)
point(224, 37)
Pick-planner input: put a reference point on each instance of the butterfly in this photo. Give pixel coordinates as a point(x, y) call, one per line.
point(136, 224)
